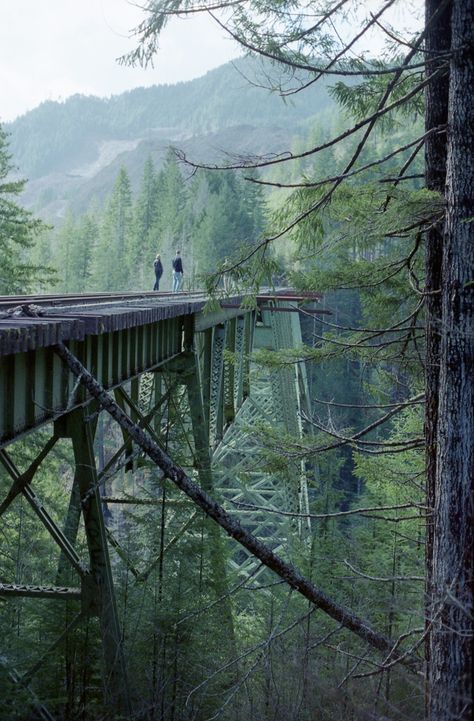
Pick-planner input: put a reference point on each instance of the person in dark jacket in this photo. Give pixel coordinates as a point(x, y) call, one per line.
point(178, 272)
point(158, 271)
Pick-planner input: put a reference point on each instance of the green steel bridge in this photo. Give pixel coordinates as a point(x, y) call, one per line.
point(184, 376)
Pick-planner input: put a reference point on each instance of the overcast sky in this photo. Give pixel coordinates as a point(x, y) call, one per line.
point(50, 49)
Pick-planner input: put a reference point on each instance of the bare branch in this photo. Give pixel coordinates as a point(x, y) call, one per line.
point(325, 516)
point(416, 400)
point(288, 155)
point(182, 12)
point(419, 142)
point(390, 329)
point(379, 578)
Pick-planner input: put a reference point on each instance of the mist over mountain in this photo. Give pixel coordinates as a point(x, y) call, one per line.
point(71, 151)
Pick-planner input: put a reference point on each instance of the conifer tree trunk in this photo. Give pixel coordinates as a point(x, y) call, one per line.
point(438, 39)
point(450, 669)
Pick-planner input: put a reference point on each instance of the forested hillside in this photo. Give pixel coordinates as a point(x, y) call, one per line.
point(70, 151)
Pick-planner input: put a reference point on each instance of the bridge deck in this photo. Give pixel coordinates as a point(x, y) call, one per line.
point(116, 336)
point(32, 322)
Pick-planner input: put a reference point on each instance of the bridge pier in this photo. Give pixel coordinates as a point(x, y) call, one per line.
point(98, 594)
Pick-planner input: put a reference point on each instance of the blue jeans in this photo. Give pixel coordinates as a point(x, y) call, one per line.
point(157, 282)
point(177, 281)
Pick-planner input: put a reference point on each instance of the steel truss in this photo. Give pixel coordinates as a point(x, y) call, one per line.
point(178, 379)
point(238, 462)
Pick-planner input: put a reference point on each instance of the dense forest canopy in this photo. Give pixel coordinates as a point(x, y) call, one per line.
point(371, 205)
point(18, 231)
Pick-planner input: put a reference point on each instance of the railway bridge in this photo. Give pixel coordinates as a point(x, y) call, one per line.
point(179, 369)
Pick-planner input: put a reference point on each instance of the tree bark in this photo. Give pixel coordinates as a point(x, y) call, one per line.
point(450, 670)
point(438, 40)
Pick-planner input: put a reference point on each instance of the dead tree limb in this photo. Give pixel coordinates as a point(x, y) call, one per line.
point(232, 527)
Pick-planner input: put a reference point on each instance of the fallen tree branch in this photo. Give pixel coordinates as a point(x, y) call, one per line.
point(232, 527)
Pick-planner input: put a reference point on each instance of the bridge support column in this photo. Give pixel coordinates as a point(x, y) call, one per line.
point(229, 372)
point(98, 594)
point(216, 405)
point(71, 528)
point(206, 374)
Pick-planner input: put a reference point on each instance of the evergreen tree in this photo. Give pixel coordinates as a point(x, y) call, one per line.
point(171, 230)
point(214, 238)
point(145, 227)
point(18, 232)
point(433, 72)
point(82, 252)
point(65, 239)
point(112, 264)
point(230, 214)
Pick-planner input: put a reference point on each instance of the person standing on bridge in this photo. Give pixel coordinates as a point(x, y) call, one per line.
point(178, 272)
point(158, 265)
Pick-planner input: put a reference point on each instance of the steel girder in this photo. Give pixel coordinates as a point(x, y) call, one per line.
point(216, 404)
point(35, 389)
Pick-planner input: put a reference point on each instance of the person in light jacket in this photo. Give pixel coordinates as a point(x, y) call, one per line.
point(178, 272)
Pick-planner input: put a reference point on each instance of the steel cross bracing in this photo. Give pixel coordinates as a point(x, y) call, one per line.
point(238, 465)
point(184, 377)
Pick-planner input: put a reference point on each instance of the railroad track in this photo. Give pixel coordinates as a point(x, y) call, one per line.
point(51, 300)
point(55, 300)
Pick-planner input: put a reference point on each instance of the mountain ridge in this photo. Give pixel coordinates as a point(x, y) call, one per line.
point(65, 147)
